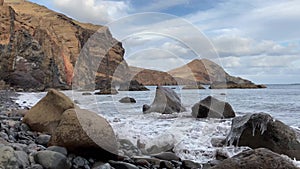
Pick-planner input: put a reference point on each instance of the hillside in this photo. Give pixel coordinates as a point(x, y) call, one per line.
point(39, 48)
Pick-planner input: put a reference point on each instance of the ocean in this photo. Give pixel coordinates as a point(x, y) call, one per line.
point(191, 137)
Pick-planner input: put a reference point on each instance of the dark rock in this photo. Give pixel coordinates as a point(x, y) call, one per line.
point(24, 80)
point(36, 166)
point(166, 164)
point(22, 159)
point(169, 156)
point(43, 139)
point(158, 149)
point(127, 100)
point(24, 127)
point(188, 87)
point(133, 85)
point(107, 91)
point(260, 130)
point(79, 162)
point(52, 160)
point(86, 94)
point(187, 164)
point(234, 85)
point(95, 133)
point(58, 149)
point(143, 163)
point(101, 166)
point(213, 108)
point(122, 165)
point(258, 158)
point(8, 158)
point(127, 148)
point(166, 101)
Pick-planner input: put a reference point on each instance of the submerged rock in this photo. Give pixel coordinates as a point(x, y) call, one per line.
point(260, 130)
point(46, 114)
point(213, 108)
point(166, 101)
point(127, 100)
point(85, 133)
point(258, 158)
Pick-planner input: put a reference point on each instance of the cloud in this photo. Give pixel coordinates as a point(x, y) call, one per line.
point(161, 5)
point(95, 11)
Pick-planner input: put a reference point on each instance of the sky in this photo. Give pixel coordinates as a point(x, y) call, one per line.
point(253, 39)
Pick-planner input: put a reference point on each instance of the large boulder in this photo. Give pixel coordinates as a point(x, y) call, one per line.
point(213, 108)
point(133, 85)
point(85, 133)
point(166, 101)
point(46, 114)
point(260, 130)
point(258, 158)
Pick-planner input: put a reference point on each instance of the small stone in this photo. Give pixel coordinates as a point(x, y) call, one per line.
point(127, 100)
point(36, 166)
point(22, 159)
point(43, 139)
point(24, 127)
point(4, 135)
point(166, 164)
point(100, 165)
point(58, 149)
point(52, 160)
point(190, 164)
point(79, 162)
point(117, 164)
point(86, 94)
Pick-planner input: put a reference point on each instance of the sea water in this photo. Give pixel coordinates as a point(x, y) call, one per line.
point(191, 137)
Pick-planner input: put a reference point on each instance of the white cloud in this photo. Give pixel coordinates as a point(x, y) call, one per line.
point(159, 5)
point(95, 11)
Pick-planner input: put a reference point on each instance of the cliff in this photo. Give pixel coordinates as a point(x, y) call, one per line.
point(39, 48)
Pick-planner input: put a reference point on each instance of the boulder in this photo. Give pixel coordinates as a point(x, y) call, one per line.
point(192, 87)
point(46, 114)
point(234, 85)
point(8, 158)
point(107, 91)
point(127, 100)
point(213, 108)
point(258, 158)
point(260, 130)
point(133, 85)
point(52, 160)
point(85, 133)
point(166, 101)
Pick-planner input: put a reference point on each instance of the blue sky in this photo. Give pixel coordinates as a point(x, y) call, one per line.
point(258, 40)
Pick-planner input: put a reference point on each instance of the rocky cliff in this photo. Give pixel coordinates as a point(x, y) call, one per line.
point(39, 48)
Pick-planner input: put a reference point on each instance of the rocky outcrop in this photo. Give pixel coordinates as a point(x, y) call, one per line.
point(260, 130)
point(46, 114)
point(205, 71)
point(133, 85)
point(188, 87)
point(166, 101)
point(85, 133)
point(258, 158)
point(39, 48)
point(233, 85)
point(213, 108)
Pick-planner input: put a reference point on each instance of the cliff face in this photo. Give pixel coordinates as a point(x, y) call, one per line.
point(205, 72)
point(39, 48)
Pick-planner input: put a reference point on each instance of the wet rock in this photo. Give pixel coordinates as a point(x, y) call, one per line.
point(166, 101)
point(258, 158)
point(158, 149)
point(8, 158)
point(86, 94)
point(127, 100)
point(187, 164)
point(169, 156)
point(101, 166)
point(36, 166)
point(166, 164)
point(133, 85)
point(52, 160)
point(79, 162)
point(46, 114)
point(260, 130)
point(43, 139)
point(122, 165)
point(58, 149)
point(127, 148)
point(85, 133)
point(213, 108)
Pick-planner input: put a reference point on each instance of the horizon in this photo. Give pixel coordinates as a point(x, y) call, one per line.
point(250, 38)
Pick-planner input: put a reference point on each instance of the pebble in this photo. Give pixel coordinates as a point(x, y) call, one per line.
point(43, 139)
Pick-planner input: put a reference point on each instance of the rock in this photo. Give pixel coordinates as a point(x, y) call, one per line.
point(36, 166)
point(122, 165)
point(43, 139)
point(166, 156)
point(188, 87)
point(166, 101)
point(258, 158)
point(213, 108)
point(1, 2)
point(133, 85)
point(127, 100)
point(86, 94)
point(24, 127)
point(234, 85)
point(187, 164)
point(46, 114)
point(58, 149)
point(79, 162)
point(260, 130)
point(24, 80)
point(127, 148)
point(107, 91)
point(22, 159)
point(158, 149)
point(166, 164)
point(85, 133)
point(3, 141)
point(218, 142)
point(8, 159)
point(101, 166)
point(52, 160)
